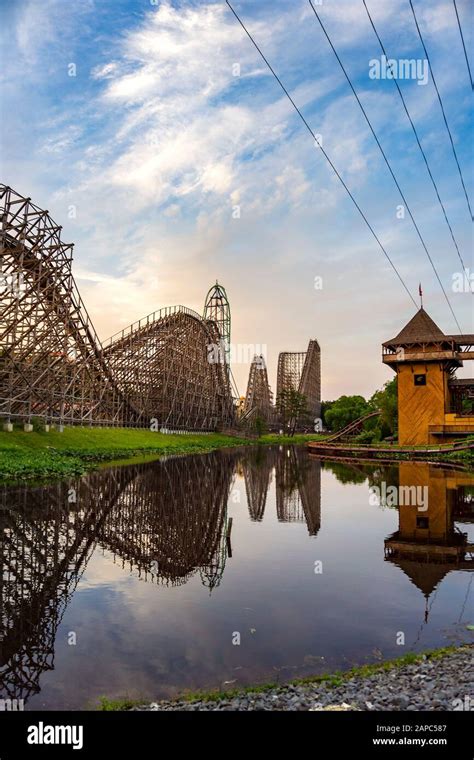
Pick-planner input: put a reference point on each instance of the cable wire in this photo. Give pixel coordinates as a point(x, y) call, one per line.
point(318, 143)
point(442, 110)
point(463, 44)
point(387, 163)
point(418, 141)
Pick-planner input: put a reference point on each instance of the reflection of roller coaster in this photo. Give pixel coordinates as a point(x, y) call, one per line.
point(298, 490)
point(45, 544)
point(53, 365)
point(170, 519)
point(297, 482)
point(163, 521)
point(257, 467)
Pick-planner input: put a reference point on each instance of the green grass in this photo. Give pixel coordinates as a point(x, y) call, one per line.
point(73, 452)
point(332, 679)
point(337, 678)
point(297, 438)
point(39, 455)
point(112, 705)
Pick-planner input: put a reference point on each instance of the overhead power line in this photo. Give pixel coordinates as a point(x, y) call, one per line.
point(417, 140)
point(387, 163)
point(318, 143)
point(463, 44)
point(442, 110)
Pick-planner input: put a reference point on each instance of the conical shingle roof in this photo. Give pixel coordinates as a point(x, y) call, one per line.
point(426, 576)
point(420, 329)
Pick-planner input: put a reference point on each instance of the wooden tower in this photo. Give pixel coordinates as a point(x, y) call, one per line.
point(425, 361)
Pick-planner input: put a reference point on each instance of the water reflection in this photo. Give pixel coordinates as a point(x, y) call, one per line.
point(428, 543)
point(298, 489)
point(297, 482)
point(169, 521)
point(257, 467)
point(166, 522)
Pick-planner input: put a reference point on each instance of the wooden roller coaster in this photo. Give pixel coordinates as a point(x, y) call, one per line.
point(53, 365)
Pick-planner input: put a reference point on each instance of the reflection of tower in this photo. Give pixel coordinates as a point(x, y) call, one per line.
point(217, 309)
point(301, 371)
point(464, 503)
point(257, 467)
point(427, 544)
point(298, 489)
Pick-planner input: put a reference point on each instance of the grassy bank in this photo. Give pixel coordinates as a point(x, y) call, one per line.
point(331, 679)
point(39, 454)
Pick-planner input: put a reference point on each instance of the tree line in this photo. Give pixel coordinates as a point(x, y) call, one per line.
point(292, 408)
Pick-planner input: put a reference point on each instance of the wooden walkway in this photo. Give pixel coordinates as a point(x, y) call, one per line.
point(383, 453)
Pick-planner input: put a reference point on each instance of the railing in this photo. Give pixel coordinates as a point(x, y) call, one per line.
point(351, 426)
point(166, 311)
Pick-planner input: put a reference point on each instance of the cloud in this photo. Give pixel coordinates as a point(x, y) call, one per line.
point(35, 29)
point(106, 71)
point(180, 132)
point(159, 137)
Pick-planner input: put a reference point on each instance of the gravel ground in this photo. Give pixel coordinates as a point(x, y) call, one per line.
point(431, 684)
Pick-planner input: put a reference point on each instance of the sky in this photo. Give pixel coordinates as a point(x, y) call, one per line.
point(155, 134)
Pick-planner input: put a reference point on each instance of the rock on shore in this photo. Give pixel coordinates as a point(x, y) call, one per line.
point(431, 684)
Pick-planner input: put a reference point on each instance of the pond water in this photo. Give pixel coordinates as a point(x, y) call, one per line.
point(135, 582)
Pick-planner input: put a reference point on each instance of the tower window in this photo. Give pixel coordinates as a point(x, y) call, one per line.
point(423, 522)
point(419, 379)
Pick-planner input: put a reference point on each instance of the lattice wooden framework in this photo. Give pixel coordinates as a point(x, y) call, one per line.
point(217, 310)
point(161, 364)
point(53, 365)
point(258, 399)
point(301, 371)
point(50, 357)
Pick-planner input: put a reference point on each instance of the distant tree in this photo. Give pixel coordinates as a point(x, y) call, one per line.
point(325, 407)
point(260, 426)
point(386, 400)
point(345, 410)
point(292, 406)
point(281, 404)
point(346, 473)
